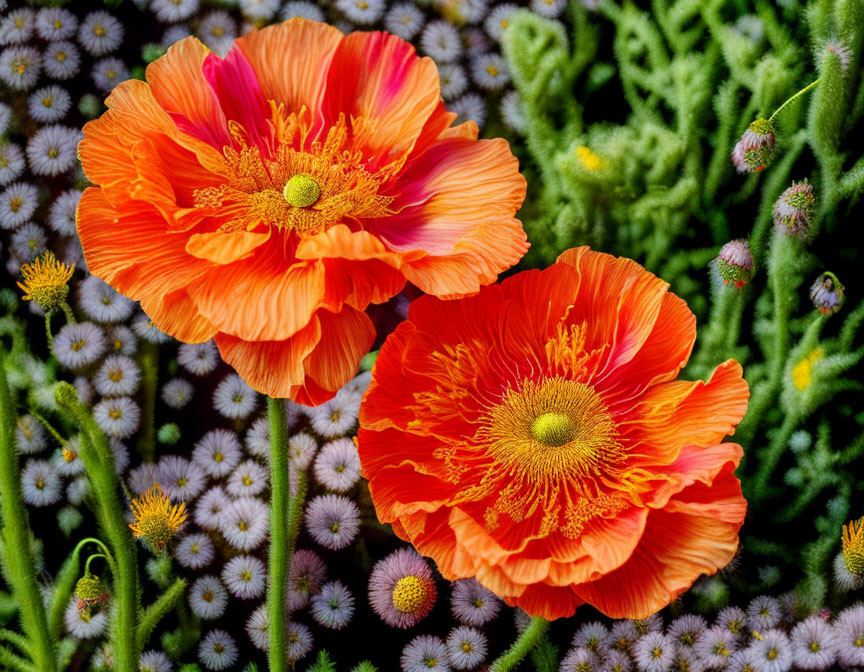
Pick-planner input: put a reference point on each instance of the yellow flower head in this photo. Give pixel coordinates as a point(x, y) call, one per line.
point(853, 546)
point(45, 281)
point(802, 374)
point(156, 518)
point(589, 160)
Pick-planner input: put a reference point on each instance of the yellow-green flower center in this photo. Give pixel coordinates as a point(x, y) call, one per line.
point(553, 429)
point(301, 191)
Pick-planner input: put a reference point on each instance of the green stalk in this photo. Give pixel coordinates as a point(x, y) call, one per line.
point(280, 544)
point(16, 539)
point(149, 362)
point(99, 461)
point(521, 647)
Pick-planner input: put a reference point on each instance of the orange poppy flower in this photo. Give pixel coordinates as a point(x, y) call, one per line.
point(534, 436)
point(268, 198)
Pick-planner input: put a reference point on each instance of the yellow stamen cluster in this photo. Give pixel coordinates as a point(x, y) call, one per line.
point(802, 374)
point(45, 281)
point(410, 594)
point(589, 160)
point(306, 190)
point(156, 518)
point(853, 546)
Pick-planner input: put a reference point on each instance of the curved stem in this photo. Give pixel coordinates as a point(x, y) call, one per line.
point(16, 546)
point(67, 311)
point(280, 545)
point(800, 93)
point(521, 647)
point(97, 457)
point(91, 559)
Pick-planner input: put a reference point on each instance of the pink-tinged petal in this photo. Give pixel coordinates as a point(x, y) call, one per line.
point(178, 85)
point(379, 83)
point(291, 60)
point(233, 81)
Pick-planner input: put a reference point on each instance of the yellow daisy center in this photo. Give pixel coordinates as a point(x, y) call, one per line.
point(409, 594)
point(156, 519)
point(802, 374)
point(853, 546)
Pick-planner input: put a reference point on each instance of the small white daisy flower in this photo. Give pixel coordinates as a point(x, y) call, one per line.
point(121, 340)
point(333, 607)
point(258, 10)
point(441, 41)
point(121, 455)
point(12, 162)
point(199, 359)
point(30, 435)
point(248, 479)
point(77, 345)
point(55, 23)
point(208, 598)
point(17, 26)
point(154, 661)
point(108, 73)
point(258, 438)
point(299, 640)
point(217, 452)
point(763, 613)
point(40, 483)
point(653, 652)
point(18, 202)
point(49, 104)
point(61, 60)
point(172, 11)
point(20, 66)
point(218, 650)
point(308, 573)
point(53, 150)
point(814, 644)
point(301, 8)
point(181, 479)
point(78, 490)
point(333, 521)
point(425, 652)
point(233, 398)
point(301, 449)
point(337, 466)
point(174, 34)
point(84, 623)
point(143, 477)
point(210, 509)
point(195, 551)
point(362, 12)
point(490, 71)
point(511, 111)
point(453, 80)
point(551, 9)
point(5, 117)
point(337, 416)
point(473, 604)
point(772, 653)
point(100, 301)
point(117, 377)
point(258, 628)
point(466, 647)
point(245, 576)
point(118, 417)
point(145, 329)
point(100, 33)
point(470, 107)
point(61, 217)
point(177, 392)
point(218, 31)
point(68, 462)
point(28, 242)
point(498, 20)
point(849, 633)
point(245, 523)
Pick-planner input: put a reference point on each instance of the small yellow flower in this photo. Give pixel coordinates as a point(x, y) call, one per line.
point(589, 160)
point(802, 373)
point(45, 281)
point(853, 546)
point(156, 518)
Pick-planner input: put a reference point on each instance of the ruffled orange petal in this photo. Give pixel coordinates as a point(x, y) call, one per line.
point(177, 316)
point(378, 81)
point(680, 544)
point(345, 337)
point(291, 60)
point(545, 601)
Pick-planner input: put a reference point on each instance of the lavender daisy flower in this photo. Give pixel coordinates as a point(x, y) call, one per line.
point(653, 652)
point(177, 393)
point(218, 452)
point(84, 623)
point(245, 523)
point(616, 661)
point(55, 23)
point(210, 509)
point(233, 398)
point(715, 646)
point(100, 33)
point(849, 634)
point(590, 636)
point(118, 417)
point(622, 636)
point(143, 477)
point(337, 466)
point(308, 572)
point(466, 648)
point(40, 483)
point(580, 659)
point(473, 604)
point(98, 299)
point(154, 661)
point(258, 628)
point(763, 613)
point(208, 598)
point(302, 448)
point(245, 576)
point(423, 653)
point(52, 150)
point(181, 479)
point(77, 345)
point(61, 60)
point(117, 377)
point(333, 521)
point(402, 589)
point(218, 650)
point(195, 551)
point(772, 652)
point(333, 607)
point(336, 417)
point(258, 438)
point(734, 619)
point(30, 435)
point(814, 644)
point(247, 479)
point(299, 640)
point(687, 629)
point(199, 359)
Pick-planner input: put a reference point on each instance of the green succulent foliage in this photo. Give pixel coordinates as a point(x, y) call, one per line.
point(628, 149)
